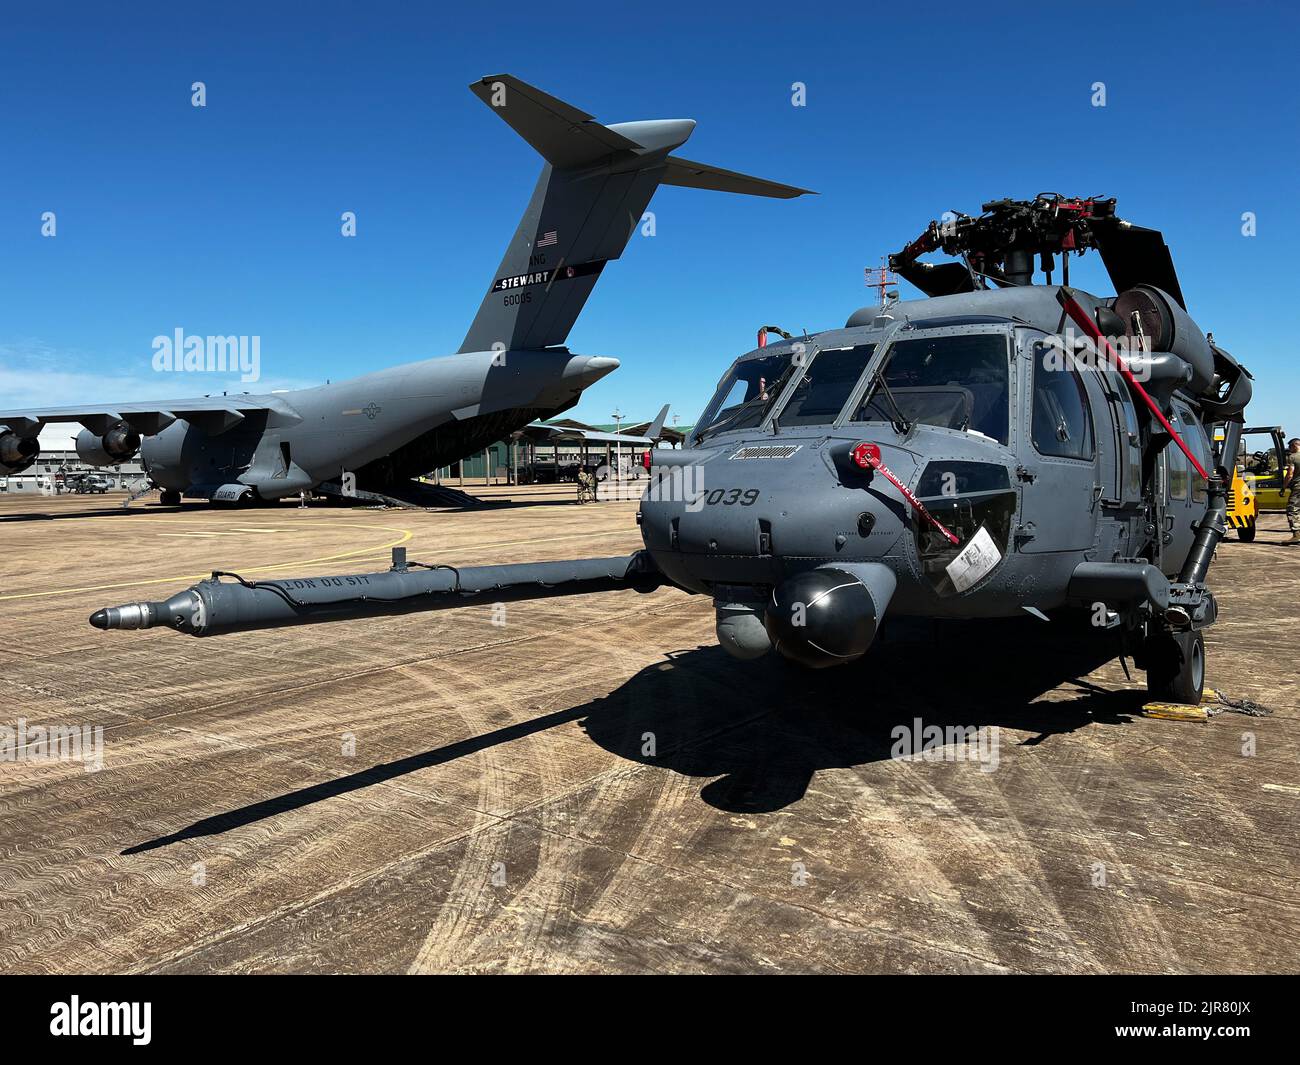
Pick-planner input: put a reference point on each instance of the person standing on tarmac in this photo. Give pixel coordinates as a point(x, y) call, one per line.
point(1290, 477)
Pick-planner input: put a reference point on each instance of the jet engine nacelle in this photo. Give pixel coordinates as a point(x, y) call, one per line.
point(17, 452)
point(116, 445)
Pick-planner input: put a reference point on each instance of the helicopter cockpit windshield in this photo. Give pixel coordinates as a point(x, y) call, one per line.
point(754, 385)
point(825, 386)
point(953, 382)
point(745, 394)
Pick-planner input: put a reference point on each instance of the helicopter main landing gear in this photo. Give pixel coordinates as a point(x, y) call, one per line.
point(169, 497)
point(1175, 665)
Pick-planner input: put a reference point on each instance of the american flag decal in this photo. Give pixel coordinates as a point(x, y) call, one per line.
point(548, 238)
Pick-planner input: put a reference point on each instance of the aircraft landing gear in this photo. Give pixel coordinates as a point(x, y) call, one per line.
point(169, 497)
point(1175, 665)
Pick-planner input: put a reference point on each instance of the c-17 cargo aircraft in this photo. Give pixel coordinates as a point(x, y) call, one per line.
point(373, 434)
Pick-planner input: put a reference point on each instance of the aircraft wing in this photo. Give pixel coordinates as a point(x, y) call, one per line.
point(540, 433)
point(545, 434)
point(212, 414)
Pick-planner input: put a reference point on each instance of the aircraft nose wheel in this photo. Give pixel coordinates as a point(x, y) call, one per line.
point(170, 498)
point(1176, 667)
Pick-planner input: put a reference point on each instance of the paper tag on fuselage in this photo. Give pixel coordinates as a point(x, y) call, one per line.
point(974, 560)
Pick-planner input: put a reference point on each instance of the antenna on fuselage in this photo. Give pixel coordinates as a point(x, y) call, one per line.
point(880, 278)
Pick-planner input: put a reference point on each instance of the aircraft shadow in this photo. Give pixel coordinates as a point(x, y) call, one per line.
point(155, 508)
point(758, 732)
point(114, 512)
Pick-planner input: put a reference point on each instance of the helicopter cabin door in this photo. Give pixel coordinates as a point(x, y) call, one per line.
point(1186, 494)
point(1059, 489)
point(1119, 443)
point(1130, 441)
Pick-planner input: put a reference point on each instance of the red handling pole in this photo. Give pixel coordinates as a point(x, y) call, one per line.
point(1084, 321)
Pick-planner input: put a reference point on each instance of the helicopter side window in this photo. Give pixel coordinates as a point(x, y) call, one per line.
point(1180, 470)
point(954, 382)
point(1193, 434)
point(1132, 440)
point(745, 394)
point(821, 394)
point(1061, 425)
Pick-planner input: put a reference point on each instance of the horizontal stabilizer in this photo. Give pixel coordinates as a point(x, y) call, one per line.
point(561, 134)
point(692, 175)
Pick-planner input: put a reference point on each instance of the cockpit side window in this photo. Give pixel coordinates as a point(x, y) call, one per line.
point(1062, 425)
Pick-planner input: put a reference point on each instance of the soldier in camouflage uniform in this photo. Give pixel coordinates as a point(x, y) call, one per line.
point(1291, 480)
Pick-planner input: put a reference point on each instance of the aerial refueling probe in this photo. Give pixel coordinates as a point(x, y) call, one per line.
point(214, 605)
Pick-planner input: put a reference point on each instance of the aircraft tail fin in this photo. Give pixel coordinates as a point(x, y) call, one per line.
point(588, 201)
point(656, 429)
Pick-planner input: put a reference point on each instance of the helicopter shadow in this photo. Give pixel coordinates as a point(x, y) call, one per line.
point(761, 731)
point(758, 732)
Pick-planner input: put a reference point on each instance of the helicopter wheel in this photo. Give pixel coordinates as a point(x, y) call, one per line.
point(169, 498)
point(1176, 667)
point(1246, 533)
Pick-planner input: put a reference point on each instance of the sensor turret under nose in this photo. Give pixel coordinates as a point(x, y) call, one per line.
point(830, 615)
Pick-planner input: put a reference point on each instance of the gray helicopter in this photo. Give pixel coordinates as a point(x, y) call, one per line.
point(996, 448)
point(371, 435)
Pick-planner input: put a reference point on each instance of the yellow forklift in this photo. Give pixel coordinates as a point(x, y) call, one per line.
point(1256, 480)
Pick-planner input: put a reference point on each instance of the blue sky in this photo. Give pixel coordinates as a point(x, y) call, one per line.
point(225, 219)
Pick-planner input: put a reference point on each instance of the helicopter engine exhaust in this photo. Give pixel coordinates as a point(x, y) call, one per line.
point(829, 616)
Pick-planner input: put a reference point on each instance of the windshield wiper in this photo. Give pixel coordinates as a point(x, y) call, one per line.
point(776, 392)
point(899, 422)
point(885, 355)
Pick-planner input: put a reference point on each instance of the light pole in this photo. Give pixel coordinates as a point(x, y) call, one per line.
point(618, 448)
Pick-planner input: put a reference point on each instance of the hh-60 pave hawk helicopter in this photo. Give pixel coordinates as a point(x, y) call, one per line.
point(997, 447)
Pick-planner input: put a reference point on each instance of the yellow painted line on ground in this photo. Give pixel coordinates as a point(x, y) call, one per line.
point(369, 550)
point(195, 535)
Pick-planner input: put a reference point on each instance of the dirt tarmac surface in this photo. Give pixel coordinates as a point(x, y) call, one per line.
point(591, 785)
